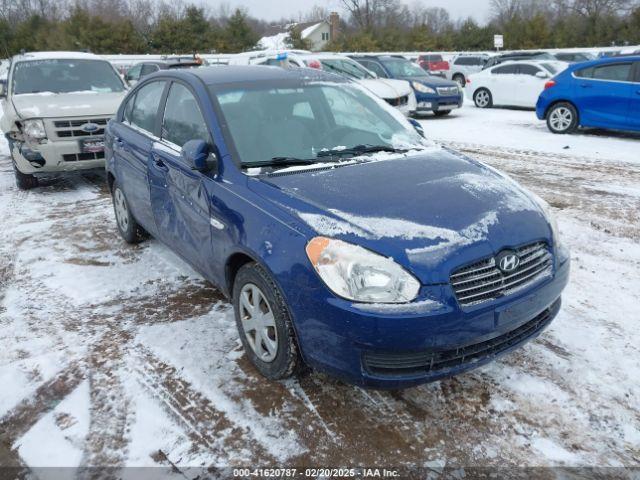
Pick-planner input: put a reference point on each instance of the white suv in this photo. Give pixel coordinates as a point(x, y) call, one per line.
point(464, 65)
point(56, 106)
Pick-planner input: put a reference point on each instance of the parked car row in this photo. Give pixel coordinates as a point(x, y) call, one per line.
point(603, 93)
point(293, 191)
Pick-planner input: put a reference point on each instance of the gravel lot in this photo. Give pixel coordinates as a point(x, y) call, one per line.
point(123, 356)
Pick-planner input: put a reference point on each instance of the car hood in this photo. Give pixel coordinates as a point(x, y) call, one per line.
point(430, 211)
point(75, 104)
point(386, 88)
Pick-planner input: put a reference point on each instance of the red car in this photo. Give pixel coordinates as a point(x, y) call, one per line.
point(434, 64)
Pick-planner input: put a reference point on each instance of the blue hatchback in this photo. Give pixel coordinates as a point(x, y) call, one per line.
point(602, 93)
point(345, 240)
point(433, 94)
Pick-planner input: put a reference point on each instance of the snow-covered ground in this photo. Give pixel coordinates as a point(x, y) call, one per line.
point(119, 355)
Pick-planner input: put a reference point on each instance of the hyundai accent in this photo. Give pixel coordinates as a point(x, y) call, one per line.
point(346, 241)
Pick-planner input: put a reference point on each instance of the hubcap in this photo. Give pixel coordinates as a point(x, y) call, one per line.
point(561, 118)
point(482, 98)
point(258, 323)
point(122, 213)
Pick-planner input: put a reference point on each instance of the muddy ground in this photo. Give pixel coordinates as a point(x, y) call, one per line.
point(118, 355)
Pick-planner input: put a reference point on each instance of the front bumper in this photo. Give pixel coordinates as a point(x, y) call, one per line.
point(51, 157)
point(433, 103)
point(398, 349)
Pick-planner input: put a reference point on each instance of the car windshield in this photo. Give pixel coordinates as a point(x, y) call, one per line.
point(315, 122)
point(65, 76)
point(345, 67)
point(402, 68)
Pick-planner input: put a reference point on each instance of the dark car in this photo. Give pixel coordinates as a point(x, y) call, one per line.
point(346, 240)
point(513, 56)
point(139, 70)
point(604, 93)
point(433, 94)
point(574, 57)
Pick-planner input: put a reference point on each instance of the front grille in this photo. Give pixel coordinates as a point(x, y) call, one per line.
point(69, 128)
point(416, 363)
point(75, 157)
point(446, 91)
point(484, 281)
point(398, 102)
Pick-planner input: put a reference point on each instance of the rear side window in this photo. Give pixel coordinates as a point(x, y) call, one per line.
point(468, 61)
point(505, 70)
point(183, 120)
point(145, 106)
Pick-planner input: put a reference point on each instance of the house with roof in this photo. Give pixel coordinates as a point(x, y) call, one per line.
point(318, 34)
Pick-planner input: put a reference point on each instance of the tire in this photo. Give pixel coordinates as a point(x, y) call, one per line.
point(276, 356)
point(460, 79)
point(442, 113)
point(128, 227)
point(483, 98)
point(562, 118)
point(24, 181)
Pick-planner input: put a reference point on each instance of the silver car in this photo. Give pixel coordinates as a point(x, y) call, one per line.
point(464, 65)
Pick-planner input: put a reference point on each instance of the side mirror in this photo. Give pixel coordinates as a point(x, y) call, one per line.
point(417, 126)
point(198, 155)
point(541, 75)
point(3, 88)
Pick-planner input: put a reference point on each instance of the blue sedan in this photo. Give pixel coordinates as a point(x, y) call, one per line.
point(603, 93)
point(345, 240)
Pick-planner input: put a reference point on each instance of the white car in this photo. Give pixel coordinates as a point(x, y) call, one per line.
point(397, 93)
point(513, 84)
point(56, 106)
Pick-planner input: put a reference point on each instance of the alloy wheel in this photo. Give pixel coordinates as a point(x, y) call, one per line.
point(258, 323)
point(561, 119)
point(122, 211)
point(482, 98)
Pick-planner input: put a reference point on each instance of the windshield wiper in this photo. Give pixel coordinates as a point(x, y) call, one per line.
point(359, 150)
point(281, 162)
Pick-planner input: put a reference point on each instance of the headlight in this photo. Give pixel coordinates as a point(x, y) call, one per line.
point(422, 88)
point(551, 218)
point(34, 129)
point(355, 273)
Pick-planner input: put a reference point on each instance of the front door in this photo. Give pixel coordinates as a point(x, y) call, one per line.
point(133, 141)
point(181, 204)
point(603, 94)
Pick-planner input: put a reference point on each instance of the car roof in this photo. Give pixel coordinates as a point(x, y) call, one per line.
point(605, 61)
point(56, 56)
point(217, 75)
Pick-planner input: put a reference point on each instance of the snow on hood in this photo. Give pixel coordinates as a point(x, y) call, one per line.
point(428, 211)
point(385, 88)
point(53, 105)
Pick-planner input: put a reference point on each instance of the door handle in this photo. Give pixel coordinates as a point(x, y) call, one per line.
point(637, 92)
point(586, 85)
point(159, 164)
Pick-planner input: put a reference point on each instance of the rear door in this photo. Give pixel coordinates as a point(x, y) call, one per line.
point(181, 207)
point(132, 147)
point(603, 94)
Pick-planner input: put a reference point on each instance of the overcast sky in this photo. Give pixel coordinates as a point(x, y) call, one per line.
point(276, 9)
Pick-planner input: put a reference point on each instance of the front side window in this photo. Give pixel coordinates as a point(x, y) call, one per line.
point(505, 70)
point(374, 67)
point(134, 72)
point(148, 68)
point(345, 67)
point(183, 120)
point(145, 106)
point(529, 70)
point(400, 67)
point(65, 76)
point(302, 122)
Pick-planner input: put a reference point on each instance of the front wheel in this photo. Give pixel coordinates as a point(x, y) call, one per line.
point(129, 229)
point(442, 113)
point(562, 118)
point(264, 324)
point(460, 79)
point(24, 181)
point(482, 98)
